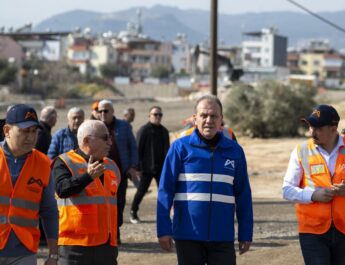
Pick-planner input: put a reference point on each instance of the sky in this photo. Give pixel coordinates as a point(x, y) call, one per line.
point(18, 12)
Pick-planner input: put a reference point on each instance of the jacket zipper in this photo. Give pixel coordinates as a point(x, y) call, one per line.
point(211, 193)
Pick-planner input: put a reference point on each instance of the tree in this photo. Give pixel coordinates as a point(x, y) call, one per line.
point(160, 72)
point(8, 72)
point(108, 70)
point(270, 109)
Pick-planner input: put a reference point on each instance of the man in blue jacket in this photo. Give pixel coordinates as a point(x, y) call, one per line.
point(121, 131)
point(65, 139)
point(205, 178)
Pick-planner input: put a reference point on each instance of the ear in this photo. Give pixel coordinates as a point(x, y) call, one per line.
point(6, 129)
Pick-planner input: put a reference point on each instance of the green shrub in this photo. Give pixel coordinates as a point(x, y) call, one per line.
point(270, 109)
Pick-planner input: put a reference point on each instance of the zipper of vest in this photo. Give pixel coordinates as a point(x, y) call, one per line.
point(211, 192)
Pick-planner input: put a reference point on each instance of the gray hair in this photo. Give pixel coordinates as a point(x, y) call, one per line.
point(106, 102)
point(209, 98)
point(48, 113)
point(89, 127)
point(75, 110)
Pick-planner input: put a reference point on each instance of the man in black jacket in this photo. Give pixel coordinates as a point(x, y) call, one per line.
point(153, 145)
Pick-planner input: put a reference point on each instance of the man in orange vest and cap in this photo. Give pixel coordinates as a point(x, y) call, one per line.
point(26, 192)
point(86, 185)
point(315, 181)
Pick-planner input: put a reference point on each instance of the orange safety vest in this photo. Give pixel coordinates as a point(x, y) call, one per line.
point(90, 217)
point(228, 132)
point(317, 217)
point(19, 205)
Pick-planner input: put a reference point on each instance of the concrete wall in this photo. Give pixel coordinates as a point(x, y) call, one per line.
point(148, 90)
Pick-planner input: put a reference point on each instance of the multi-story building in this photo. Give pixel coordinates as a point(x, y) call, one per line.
point(181, 56)
point(265, 49)
point(142, 54)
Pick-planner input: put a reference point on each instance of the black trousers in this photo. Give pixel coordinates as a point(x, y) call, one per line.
point(190, 252)
point(78, 255)
point(324, 249)
point(121, 199)
point(144, 184)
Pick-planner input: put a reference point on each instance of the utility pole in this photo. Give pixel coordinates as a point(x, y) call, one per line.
point(214, 48)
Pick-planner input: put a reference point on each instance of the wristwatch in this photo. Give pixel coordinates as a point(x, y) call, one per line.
point(53, 256)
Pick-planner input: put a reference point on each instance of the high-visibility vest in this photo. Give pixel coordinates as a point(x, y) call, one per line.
point(228, 132)
point(90, 217)
point(317, 217)
point(19, 205)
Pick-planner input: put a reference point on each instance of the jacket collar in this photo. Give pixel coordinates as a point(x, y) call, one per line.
point(223, 143)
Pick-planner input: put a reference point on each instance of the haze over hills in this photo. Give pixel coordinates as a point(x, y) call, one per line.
point(164, 22)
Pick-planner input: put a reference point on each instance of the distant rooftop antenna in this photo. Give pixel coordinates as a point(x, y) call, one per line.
point(139, 25)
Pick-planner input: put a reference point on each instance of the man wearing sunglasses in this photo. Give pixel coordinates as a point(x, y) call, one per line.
point(122, 135)
point(153, 145)
point(86, 185)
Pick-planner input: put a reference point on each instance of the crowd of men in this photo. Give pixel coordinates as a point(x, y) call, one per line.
point(75, 183)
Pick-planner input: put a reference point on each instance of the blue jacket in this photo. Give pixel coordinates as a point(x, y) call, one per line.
point(126, 145)
point(63, 141)
point(206, 187)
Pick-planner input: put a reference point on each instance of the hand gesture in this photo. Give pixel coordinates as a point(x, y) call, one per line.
point(95, 169)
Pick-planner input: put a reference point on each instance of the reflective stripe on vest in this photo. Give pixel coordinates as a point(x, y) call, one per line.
point(75, 168)
point(4, 200)
point(20, 203)
point(206, 177)
point(304, 157)
point(84, 200)
point(21, 221)
point(111, 166)
point(204, 197)
point(227, 133)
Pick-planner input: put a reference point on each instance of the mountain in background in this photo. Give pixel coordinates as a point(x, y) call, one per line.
point(165, 22)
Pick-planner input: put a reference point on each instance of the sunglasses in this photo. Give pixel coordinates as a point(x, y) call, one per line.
point(157, 114)
point(103, 111)
point(104, 137)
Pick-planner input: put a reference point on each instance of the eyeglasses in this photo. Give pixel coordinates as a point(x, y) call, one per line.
point(104, 137)
point(103, 110)
point(157, 114)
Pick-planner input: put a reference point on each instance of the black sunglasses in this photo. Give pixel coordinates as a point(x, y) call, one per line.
point(157, 114)
point(103, 110)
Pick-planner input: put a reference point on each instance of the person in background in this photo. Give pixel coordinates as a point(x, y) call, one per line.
point(205, 178)
point(127, 147)
point(129, 115)
point(66, 139)
point(48, 120)
point(86, 186)
point(153, 145)
point(94, 113)
point(315, 181)
point(26, 192)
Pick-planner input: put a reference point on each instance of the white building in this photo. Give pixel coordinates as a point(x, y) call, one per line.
point(181, 57)
point(264, 49)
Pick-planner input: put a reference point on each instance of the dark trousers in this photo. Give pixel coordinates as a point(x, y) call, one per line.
point(144, 184)
point(78, 255)
point(324, 249)
point(190, 252)
point(121, 199)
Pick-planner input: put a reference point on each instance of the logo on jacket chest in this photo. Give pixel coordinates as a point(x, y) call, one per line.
point(34, 185)
point(229, 164)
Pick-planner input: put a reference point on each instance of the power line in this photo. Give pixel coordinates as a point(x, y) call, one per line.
point(317, 16)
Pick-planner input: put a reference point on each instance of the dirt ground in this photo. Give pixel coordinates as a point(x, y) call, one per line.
point(275, 233)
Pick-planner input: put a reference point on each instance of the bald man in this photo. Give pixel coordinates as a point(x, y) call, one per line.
point(48, 120)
